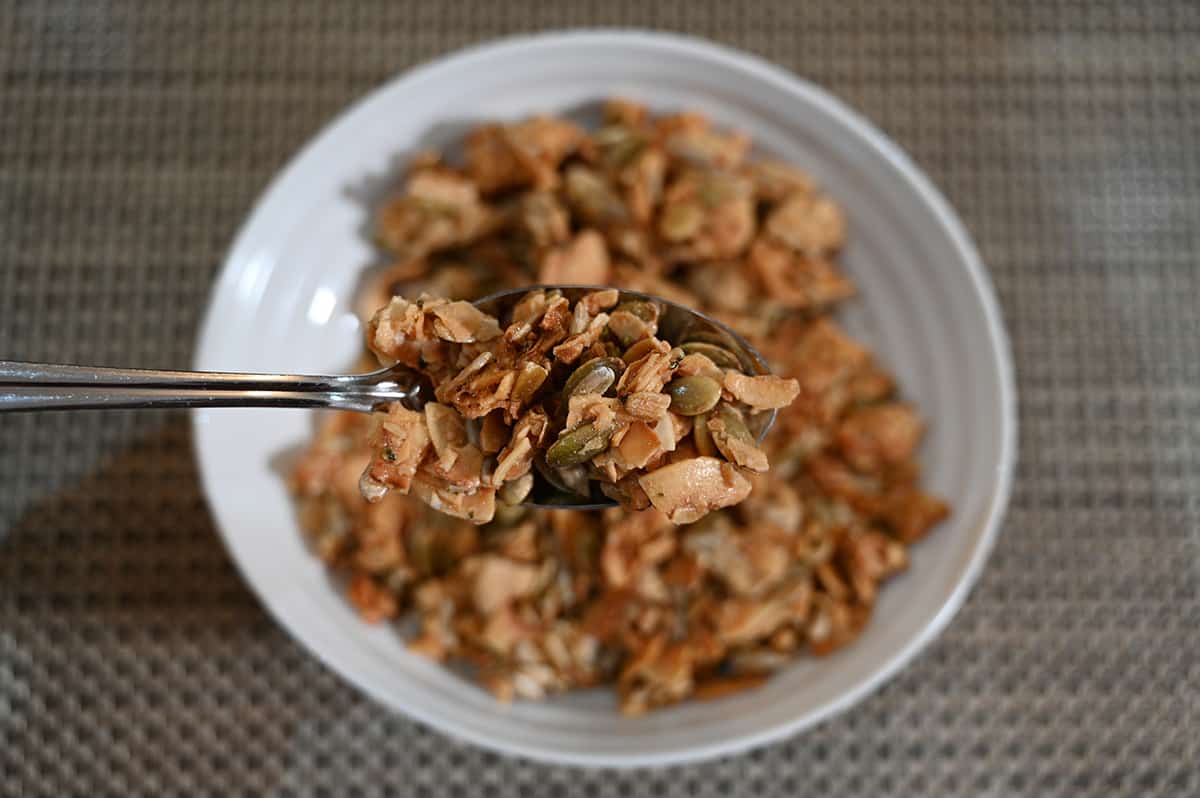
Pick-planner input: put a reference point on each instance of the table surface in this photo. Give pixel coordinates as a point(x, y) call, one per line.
point(134, 138)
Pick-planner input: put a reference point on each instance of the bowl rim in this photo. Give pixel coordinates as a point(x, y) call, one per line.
point(757, 69)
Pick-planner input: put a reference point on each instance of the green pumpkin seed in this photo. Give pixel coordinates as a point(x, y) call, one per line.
point(528, 381)
point(595, 376)
point(702, 437)
point(618, 145)
point(735, 430)
point(575, 479)
point(577, 446)
point(514, 492)
point(681, 222)
point(593, 197)
point(639, 350)
point(735, 425)
point(691, 396)
point(721, 357)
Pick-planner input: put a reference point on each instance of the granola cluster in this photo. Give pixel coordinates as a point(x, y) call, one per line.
point(662, 608)
point(581, 392)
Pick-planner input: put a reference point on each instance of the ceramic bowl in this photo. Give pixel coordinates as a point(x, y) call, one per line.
point(285, 303)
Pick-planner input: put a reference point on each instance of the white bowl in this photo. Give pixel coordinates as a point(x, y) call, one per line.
point(283, 303)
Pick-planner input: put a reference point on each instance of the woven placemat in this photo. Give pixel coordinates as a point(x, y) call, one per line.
point(134, 137)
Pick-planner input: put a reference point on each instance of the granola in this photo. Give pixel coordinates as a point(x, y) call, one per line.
point(664, 598)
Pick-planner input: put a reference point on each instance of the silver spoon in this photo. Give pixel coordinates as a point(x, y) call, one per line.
point(44, 386)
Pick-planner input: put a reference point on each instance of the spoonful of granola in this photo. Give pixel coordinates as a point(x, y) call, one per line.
point(571, 396)
point(553, 396)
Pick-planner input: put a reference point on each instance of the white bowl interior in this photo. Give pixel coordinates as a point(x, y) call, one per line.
point(284, 302)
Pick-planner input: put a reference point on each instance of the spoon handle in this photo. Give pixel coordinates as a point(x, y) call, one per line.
point(46, 386)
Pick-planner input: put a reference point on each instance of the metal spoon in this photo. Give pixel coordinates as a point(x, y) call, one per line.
point(44, 386)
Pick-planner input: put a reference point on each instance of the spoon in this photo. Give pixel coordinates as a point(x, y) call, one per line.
point(45, 386)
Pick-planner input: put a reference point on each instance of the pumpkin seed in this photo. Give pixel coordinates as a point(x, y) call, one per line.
point(593, 197)
point(702, 437)
point(595, 376)
point(528, 381)
point(691, 396)
point(639, 350)
point(576, 480)
point(618, 145)
point(735, 425)
point(720, 356)
point(577, 446)
point(680, 222)
point(734, 440)
point(514, 491)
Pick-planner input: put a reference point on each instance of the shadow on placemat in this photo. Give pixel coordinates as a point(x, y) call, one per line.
point(133, 533)
point(126, 631)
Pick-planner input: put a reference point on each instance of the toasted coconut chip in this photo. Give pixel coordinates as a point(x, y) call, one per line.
point(809, 224)
point(743, 621)
point(501, 157)
point(447, 432)
point(499, 581)
point(583, 261)
point(600, 300)
point(666, 432)
point(462, 322)
point(687, 490)
point(517, 457)
point(399, 444)
point(638, 446)
point(439, 210)
point(765, 392)
point(493, 432)
point(570, 350)
point(798, 281)
point(880, 435)
point(603, 412)
point(530, 308)
point(647, 405)
point(698, 364)
point(478, 506)
point(646, 375)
